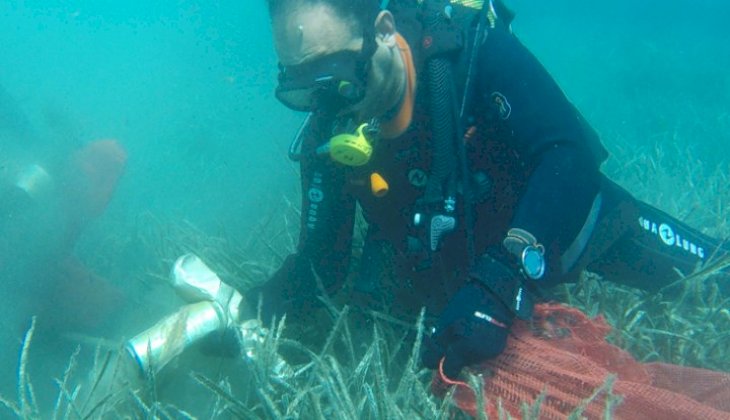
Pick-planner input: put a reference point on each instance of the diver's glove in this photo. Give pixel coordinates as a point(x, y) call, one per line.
point(473, 328)
point(291, 290)
point(227, 343)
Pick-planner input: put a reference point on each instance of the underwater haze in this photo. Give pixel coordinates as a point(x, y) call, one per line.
point(185, 90)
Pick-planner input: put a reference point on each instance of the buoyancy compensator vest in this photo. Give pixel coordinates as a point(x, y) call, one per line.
point(444, 37)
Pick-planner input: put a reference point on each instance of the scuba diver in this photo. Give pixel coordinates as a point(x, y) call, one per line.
point(466, 159)
point(46, 202)
point(45, 206)
point(44, 209)
point(468, 164)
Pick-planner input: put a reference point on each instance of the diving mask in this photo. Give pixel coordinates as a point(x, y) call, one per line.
point(329, 83)
point(332, 82)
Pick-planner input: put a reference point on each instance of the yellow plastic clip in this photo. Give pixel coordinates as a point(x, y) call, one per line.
point(351, 149)
point(378, 185)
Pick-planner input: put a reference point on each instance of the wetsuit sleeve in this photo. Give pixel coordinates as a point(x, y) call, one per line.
point(548, 133)
point(325, 239)
point(524, 97)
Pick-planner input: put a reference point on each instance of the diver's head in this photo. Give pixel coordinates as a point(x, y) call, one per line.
point(337, 56)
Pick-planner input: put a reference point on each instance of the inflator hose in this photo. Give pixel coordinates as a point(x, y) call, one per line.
point(441, 182)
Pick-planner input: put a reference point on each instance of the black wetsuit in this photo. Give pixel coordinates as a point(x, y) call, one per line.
point(541, 160)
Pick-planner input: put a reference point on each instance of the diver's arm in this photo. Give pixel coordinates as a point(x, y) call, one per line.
point(325, 239)
point(551, 137)
point(514, 85)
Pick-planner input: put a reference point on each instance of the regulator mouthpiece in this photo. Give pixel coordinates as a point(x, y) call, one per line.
point(351, 149)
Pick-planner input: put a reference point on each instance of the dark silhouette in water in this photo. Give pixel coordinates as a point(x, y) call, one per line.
point(46, 202)
point(13, 121)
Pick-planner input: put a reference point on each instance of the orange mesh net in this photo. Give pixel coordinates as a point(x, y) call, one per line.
point(565, 355)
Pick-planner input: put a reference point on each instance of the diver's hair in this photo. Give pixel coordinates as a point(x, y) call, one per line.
point(360, 12)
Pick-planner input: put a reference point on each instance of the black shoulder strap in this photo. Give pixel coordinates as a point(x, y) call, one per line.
point(438, 32)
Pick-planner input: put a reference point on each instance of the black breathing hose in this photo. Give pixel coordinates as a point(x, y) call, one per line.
point(441, 183)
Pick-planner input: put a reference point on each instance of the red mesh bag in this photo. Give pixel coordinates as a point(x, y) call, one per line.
point(565, 355)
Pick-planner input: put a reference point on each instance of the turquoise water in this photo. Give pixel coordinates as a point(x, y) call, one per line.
point(186, 88)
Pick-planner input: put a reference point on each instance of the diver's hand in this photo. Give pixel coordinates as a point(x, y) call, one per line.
point(472, 329)
point(292, 290)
